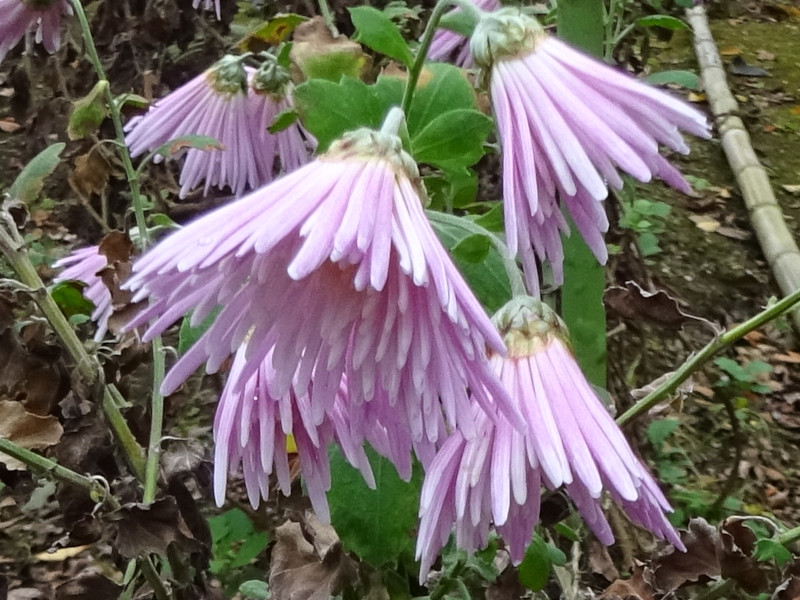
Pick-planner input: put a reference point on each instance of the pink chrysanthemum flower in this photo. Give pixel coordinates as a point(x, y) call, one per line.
point(40, 17)
point(570, 440)
point(84, 265)
point(222, 104)
point(447, 45)
point(209, 5)
point(332, 269)
point(252, 426)
point(567, 124)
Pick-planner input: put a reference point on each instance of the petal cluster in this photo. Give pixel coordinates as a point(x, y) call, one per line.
point(331, 271)
point(447, 45)
point(568, 125)
point(252, 425)
point(39, 17)
point(235, 114)
point(84, 265)
point(570, 441)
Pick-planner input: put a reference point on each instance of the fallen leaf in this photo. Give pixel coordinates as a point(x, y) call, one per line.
point(705, 223)
point(792, 188)
point(790, 357)
point(699, 563)
point(9, 125)
point(730, 51)
point(697, 97)
point(632, 301)
point(638, 587)
point(764, 55)
point(734, 233)
point(60, 554)
point(149, 529)
point(739, 66)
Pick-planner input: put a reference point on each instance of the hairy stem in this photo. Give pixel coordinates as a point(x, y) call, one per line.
point(157, 404)
point(713, 347)
point(38, 462)
point(425, 43)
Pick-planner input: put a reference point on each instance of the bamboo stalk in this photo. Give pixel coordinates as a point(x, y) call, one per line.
point(777, 242)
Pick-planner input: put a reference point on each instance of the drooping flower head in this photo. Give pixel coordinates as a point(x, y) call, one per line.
point(570, 440)
point(332, 270)
point(84, 265)
point(447, 45)
point(567, 125)
point(209, 5)
point(39, 17)
point(221, 104)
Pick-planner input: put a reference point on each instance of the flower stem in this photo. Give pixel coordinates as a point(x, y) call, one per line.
point(327, 16)
point(13, 248)
point(789, 537)
point(157, 404)
point(37, 461)
point(714, 346)
point(425, 43)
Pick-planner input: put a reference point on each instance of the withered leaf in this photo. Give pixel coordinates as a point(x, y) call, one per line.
point(90, 174)
point(25, 429)
point(698, 563)
point(88, 587)
point(736, 556)
point(149, 529)
point(637, 587)
point(298, 572)
point(633, 302)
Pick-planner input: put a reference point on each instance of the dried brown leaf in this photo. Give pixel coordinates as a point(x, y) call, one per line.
point(25, 429)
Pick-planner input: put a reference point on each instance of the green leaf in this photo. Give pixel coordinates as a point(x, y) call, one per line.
point(188, 335)
point(441, 89)
point(375, 524)
point(473, 248)
point(271, 33)
point(29, 182)
point(665, 21)
point(197, 142)
point(329, 109)
point(487, 278)
point(283, 121)
point(770, 549)
point(376, 30)
point(534, 570)
point(660, 430)
point(133, 100)
point(452, 139)
point(253, 588)
point(459, 22)
point(88, 112)
point(70, 299)
point(582, 306)
point(685, 79)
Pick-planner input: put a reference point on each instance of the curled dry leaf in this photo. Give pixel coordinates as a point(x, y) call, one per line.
point(299, 572)
point(637, 587)
point(633, 302)
point(150, 529)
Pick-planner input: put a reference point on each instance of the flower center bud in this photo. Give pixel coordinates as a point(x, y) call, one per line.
point(505, 33)
point(271, 78)
point(367, 143)
point(528, 325)
point(228, 76)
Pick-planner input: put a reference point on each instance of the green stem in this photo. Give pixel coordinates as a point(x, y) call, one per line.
point(153, 578)
point(53, 469)
point(116, 119)
point(695, 362)
point(721, 590)
point(789, 537)
point(132, 176)
point(156, 424)
point(425, 43)
point(328, 17)
point(13, 247)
